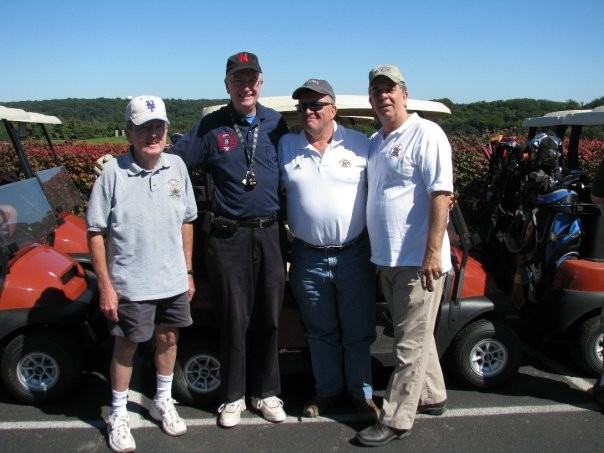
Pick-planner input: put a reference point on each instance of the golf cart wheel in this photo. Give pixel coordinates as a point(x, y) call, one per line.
point(587, 346)
point(41, 367)
point(197, 372)
point(485, 354)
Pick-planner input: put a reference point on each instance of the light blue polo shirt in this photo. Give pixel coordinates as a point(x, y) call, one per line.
point(141, 213)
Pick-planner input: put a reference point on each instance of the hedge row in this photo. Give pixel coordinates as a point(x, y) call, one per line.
point(470, 164)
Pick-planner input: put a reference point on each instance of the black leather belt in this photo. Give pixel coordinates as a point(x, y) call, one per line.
point(336, 248)
point(258, 222)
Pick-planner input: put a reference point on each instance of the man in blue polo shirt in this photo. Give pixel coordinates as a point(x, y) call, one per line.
point(237, 145)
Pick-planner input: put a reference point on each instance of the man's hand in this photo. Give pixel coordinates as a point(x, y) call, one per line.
point(108, 304)
point(100, 164)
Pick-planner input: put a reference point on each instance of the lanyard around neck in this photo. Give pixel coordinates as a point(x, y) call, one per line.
point(249, 153)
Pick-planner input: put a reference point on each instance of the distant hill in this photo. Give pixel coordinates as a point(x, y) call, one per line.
point(89, 118)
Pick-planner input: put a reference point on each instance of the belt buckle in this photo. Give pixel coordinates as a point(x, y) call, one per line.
point(265, 223)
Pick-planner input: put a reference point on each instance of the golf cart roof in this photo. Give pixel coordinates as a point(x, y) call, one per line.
point(561, 121)
point(20, 115)
point(567, 118)
point(352, 108)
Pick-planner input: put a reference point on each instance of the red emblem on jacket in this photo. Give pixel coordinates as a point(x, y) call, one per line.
point(226, 141)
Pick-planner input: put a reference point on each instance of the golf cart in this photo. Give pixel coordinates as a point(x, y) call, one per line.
point(48, 303)
point(69, 236)
point(473, 332)
point(352, 109)
point(544, 238)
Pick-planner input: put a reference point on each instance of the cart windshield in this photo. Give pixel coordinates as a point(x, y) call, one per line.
point(25, 216)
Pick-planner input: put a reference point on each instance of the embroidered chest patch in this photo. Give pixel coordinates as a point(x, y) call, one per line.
point(226, 141)
point(395, 151)
point(345, 163)
point(174, 189)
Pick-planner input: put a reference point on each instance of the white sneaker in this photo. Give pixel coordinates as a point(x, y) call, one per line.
point(230, 413)
point(271, 408)
point(118, 431)
point(164, 411)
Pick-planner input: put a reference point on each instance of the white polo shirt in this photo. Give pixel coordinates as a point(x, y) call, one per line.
point(404, 169)
point(326, 195)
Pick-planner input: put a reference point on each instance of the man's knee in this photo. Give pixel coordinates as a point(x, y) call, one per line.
point(166, 337)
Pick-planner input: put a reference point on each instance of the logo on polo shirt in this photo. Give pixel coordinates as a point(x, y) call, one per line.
point(395, 151)
point(226, 141)
point(345, 163)
point(174, 189)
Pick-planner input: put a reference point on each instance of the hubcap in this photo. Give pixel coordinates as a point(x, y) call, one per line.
point(488, 358)
point(38, 371)
point(202, 373)
point(599, 348)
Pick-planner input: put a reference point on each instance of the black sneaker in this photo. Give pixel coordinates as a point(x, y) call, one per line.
point(433, 409)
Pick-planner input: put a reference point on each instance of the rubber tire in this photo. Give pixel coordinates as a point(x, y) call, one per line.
point(196, 372)
point(587, 339)
point(57, 351)
point(486, 336)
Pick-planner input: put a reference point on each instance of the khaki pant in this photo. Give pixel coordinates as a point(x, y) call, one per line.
point(417, 377)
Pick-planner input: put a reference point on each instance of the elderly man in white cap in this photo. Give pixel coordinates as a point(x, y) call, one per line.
point(140, 235)
point(410, 180)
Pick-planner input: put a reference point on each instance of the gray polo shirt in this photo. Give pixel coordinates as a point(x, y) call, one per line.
point(141, 213)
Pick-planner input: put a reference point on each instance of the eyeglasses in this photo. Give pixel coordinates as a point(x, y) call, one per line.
point(312, 106)
point(240, 83)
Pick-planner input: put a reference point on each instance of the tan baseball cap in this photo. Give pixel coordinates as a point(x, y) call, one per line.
point(386, 70)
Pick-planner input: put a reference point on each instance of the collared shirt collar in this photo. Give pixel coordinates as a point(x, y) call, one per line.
point(135, 169)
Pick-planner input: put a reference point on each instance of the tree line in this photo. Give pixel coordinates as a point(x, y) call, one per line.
point(90, 118)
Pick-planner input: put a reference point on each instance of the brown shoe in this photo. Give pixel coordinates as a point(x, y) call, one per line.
point(319, 405)
point(367, 409)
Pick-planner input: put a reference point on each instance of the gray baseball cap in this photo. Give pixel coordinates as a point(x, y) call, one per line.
point(316, 85)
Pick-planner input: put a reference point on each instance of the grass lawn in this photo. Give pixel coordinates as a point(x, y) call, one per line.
point(121, 140)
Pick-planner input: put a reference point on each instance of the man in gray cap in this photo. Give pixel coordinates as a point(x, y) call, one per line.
point(410, 184)
point(323, 174)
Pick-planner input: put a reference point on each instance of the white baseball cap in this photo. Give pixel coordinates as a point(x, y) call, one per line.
point(145, 108)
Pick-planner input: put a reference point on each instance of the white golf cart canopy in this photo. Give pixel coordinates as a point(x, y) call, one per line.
point(591, 117)
point(560, 121)
point(21, 116)
point(352, 108)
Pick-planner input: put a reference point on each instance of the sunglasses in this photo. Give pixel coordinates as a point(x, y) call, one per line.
point(312, 106)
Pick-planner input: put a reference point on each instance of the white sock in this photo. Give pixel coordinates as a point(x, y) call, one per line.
point(164, 387)
point(119, 402)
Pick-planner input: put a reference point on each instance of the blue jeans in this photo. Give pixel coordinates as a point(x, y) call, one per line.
point(335, 292)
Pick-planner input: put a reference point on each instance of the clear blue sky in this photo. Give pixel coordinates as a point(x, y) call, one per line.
point(463, 50)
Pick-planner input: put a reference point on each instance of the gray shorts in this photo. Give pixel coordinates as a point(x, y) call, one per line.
point(137, 319)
